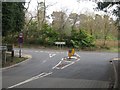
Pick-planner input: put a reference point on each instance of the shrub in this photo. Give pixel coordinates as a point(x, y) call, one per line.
point(82, 39)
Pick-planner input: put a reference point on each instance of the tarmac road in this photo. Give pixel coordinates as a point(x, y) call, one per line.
point(93, 70)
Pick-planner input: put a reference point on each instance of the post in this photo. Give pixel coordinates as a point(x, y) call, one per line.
point(20, 51)
point(12, 55)
point(60, 46)
point(3, 48)
point(69, 53)
point(4, 55)
point(20, 41)
point(12, 52)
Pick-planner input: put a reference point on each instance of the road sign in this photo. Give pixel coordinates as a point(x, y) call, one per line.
point(3, 48)
point(20, 38)
point(59, 42)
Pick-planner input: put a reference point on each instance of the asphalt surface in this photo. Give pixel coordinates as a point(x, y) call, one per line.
point(93, 70)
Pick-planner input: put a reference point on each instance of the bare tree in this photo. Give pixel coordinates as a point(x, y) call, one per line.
point(74, 18)
point(41, 13)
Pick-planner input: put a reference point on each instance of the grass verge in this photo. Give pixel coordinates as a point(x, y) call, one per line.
point(12, 60)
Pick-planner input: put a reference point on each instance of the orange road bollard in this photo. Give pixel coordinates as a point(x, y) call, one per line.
point(73, 52)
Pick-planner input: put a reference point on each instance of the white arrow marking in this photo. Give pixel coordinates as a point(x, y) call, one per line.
point(51, 55)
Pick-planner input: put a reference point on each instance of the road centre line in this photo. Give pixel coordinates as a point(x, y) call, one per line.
point(31, 79)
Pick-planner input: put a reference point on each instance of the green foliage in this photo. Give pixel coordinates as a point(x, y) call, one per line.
point(81, 39)
point(32, 28)
point(12, 18)
point(49, 35)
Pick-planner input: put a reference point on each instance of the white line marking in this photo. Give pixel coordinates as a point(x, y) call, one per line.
point(68, 65)
point(31, 79)
point(26, 81)
point(51, 55)
point(68, 61)
point(71, 62)
point(36, 51)
point(56, 65)
point(116, 58)
point(47, 52)
point(77, 55)
point(57, 68)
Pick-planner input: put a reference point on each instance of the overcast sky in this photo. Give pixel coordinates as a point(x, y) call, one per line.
point(84, 6)
point(71, 5)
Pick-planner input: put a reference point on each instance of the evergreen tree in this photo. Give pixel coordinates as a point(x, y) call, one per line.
point(12, 17)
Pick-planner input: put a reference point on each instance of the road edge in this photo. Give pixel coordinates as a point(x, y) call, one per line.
point(115, 73)
point(26, 56)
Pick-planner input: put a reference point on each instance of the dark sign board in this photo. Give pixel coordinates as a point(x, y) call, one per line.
point(20, 38)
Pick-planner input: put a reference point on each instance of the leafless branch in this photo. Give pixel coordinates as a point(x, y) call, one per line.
point(26, 9)
point(50, 5)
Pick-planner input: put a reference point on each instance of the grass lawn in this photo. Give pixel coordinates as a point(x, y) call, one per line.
point(12, 60)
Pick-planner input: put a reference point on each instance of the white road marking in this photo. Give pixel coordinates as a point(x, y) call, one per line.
point(68, 65)
point(78, 60)
point(68, 61)
point(56, 65)
point(47, 51)
point(116, 58)
point(36, 51)
point(77, 55)
point(51, 55)
point(31, 79)
point(71, 62)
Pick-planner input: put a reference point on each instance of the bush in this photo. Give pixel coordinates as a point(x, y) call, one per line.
point(82, 39)
point(49, 35)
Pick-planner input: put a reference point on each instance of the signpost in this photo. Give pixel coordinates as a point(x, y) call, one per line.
point(60, 43)
point(3, 49)
point(20, 41)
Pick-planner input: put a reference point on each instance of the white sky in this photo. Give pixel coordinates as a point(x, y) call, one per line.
point(70, 5)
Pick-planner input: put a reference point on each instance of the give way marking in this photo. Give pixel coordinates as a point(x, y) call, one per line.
point(31, 79)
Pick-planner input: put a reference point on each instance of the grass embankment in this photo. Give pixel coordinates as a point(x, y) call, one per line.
point(12, 60)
